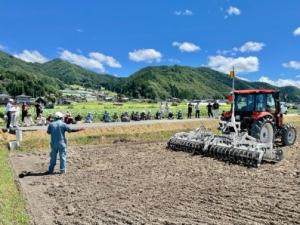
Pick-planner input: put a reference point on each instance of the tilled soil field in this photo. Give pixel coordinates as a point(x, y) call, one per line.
point(143, 183)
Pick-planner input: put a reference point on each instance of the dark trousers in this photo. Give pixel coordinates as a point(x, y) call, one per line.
point(197, 114)
point(189, 114)
point(210, 114)
point(38, 113)
point(24, 114)
point(8, 114)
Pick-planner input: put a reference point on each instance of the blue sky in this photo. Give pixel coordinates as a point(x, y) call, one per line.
point(119, 37)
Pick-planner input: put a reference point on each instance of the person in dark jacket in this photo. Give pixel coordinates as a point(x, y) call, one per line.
point(38, 109)
point(215, 109)
point(190, 110)
point(24, 111)
point(209, 110)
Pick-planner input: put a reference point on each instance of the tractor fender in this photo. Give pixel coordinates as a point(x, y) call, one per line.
point(227, 115)
point(259, 115)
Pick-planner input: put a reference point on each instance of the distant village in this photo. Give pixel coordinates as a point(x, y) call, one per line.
point(69, 96)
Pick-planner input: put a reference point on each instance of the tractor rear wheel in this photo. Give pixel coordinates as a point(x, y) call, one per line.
point(289, 134)
point(263, 130)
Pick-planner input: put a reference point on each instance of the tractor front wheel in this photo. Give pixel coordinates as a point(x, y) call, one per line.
point(263, 130)
point(289, 134)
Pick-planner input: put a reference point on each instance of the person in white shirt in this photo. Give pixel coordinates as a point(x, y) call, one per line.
point(8, 111)
point(15, 112)
point(167, 109)
point(197, 108)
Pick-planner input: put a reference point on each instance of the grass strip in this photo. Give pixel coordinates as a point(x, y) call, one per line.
point(12, 204)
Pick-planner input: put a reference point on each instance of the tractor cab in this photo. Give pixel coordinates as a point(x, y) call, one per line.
point(251, 105)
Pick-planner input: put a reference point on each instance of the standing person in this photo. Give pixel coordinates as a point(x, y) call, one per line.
point(209, 110)
point(197, 108)
point(38, 109)
point(190, 110)
point(58, 143)
point(15, 116)
point(9, 111)
point(24, 111)
point(216, 109)
point(167, 109)
point(161, 109)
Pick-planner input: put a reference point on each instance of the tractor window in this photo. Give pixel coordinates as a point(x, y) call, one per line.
point(244, 103)
point(270, 107)
point(260, 103)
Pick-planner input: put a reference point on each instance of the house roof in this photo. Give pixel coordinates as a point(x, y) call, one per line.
point(4, 96)
point(23, 96)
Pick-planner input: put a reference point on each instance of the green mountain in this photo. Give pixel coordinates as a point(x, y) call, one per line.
point(292, 93)
point(190, 83)
point(17, 77)
point(72, 74)
point(35, 79)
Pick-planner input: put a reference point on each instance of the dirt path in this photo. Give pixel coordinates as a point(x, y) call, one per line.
point(132, 123)
point(146, 184)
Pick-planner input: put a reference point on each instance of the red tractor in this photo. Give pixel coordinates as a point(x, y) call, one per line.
point(248, 134)
point(259, 113)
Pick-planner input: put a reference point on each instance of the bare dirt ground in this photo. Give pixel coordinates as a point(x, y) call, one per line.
point(143, 183)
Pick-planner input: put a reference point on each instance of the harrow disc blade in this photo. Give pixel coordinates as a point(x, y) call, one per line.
point(245, 157)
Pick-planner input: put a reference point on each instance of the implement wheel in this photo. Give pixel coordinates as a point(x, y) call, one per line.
point(263, 130)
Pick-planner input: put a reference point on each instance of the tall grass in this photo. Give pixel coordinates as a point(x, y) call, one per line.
point(12, 205)
point(39, 140)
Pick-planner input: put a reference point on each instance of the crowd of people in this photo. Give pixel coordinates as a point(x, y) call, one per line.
point(14, 111)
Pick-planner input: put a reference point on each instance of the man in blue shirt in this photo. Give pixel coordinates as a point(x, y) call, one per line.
point(58, 143)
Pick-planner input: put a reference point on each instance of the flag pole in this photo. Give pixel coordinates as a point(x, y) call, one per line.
point(233, 100)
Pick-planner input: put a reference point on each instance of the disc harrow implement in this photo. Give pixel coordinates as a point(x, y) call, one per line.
point(236, 148)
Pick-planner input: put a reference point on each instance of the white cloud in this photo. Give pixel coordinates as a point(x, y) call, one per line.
point(79, 30)
point(95, 61)
point(146, 55)
point(185, 12)
point(297, 31)
point(31, 56)
point(2, 47)
point(280, 82)
point(186, 46)
point(106, 60)
point(233, 11)
point(241, 64)
point(292, 65)
point(82, 61)
point(252, 46)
